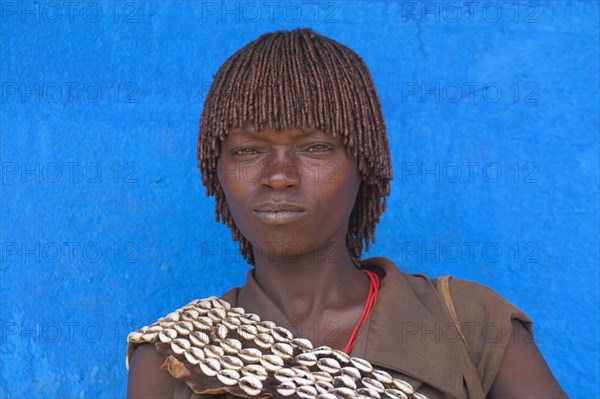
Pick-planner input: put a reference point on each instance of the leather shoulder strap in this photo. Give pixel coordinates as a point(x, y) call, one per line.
point(472, 380)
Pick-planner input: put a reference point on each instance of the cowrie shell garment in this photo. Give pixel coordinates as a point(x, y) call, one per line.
point(223, 349)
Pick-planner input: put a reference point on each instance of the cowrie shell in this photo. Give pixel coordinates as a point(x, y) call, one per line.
point(271, 362)
point(418, 395)
point(247, 331)
point(305, 379)
point(340, 356)
point(264, 341)
point(324, 386)
point(167, 335)
point(285, 351)
point(351, 371)
point(194, 355)
point(173, 316)
point(216, 314)
point(237, 311)
point(404, 386)
point(191, 313)
point(135, 336)
point(250, 318)
point(328, 365)
point(204, 304)
point(284, 374)
point(268, 324)
point(300, 370)
point(153, 329)
point(344, 381)
point(306, 359)
point(180, 345)
point(322, 351)
point(231, 323)
point(322, 376)
point(199, 339)
point(306, 392)
point(281, 334)
point(250, 355)
point(228, 376)
point(382, 376)
point(369, 393)
point(150, 336)
point(373, 384)
point(184, 328)
point(361, 364)
point(395, 394)
point(203, 323)
point(220, 303)
point(250, 384)
point(303, 344)
point(286, 388)
point(327, 396)
point(213, 352)
point(256, 370)
point(210, 367)
point(344, 393)
point(263, 330)
point(230, 362)
point(231, 346)
point(220, 332)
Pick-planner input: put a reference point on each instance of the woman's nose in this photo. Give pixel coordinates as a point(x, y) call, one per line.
point(281, 173)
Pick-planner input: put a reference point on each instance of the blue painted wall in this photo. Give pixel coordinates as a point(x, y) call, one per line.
point(492, 111)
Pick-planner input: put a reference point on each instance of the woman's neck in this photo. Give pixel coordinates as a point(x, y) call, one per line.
point(305, 286)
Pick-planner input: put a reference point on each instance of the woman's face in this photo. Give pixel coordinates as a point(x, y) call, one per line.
point(289, 192)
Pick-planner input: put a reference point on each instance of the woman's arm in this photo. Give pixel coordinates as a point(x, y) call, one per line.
point(146, 378)
point(524, 373)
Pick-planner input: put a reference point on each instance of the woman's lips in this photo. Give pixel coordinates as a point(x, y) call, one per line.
point(281, 216)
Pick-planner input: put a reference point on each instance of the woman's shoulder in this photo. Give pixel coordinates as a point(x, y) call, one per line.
point(153, 371)
point(477, 301)
point(146, 377)
point(178, 319)
point(476, 304)
point(487, 320)
point(472, 297)
point(473, 301)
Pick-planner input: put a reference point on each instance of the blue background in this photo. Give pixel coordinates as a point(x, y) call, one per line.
point(492, 116)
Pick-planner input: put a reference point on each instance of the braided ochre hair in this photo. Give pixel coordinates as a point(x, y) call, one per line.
point(300, 79)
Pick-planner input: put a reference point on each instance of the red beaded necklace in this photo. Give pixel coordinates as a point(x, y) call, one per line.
point(373, 291)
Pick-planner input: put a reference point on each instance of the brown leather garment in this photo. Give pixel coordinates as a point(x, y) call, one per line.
point(409, 332)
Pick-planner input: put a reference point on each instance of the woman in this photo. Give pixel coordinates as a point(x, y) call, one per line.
point(293, 146)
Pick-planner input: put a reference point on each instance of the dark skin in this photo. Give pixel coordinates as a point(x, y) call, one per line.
point(303, 258)
point(300, 256)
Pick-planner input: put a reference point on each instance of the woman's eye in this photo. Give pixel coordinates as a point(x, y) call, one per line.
point(245, 151)
point(320, 148)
